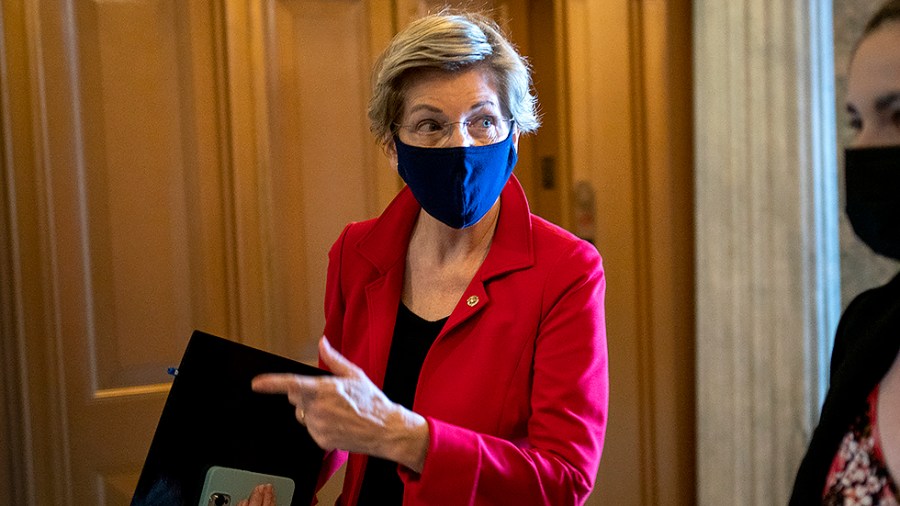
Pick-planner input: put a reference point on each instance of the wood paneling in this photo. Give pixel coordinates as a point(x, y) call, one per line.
point(668, 228)
point(603, 130)
point(138, 191)
point(174, 165)
point(628, 97)
point(323, 162)
point(135, 218)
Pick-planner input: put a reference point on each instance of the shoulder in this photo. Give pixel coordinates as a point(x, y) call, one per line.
point(875, 300)
point(870, 311)
point(553, 243)
point(352, 233)
point(356, 230)
point(565, 266)
point(866, 332)
point(865, 345)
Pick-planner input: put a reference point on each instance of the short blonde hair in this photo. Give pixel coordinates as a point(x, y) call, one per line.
point(452, 42)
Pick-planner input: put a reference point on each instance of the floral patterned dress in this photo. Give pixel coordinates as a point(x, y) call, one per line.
point(858, 474)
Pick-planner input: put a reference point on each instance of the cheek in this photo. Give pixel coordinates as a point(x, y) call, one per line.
point(888, 133)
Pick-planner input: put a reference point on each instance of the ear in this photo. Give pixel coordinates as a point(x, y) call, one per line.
point(390, 150)
point(515, 135)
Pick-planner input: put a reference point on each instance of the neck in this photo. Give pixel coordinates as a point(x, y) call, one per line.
point(444, 244)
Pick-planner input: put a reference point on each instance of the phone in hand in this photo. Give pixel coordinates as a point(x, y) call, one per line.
point(227, 486)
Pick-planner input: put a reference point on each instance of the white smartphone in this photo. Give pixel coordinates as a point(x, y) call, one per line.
point(226, 486)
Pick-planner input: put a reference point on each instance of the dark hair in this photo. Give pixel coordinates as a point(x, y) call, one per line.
point(889, 12)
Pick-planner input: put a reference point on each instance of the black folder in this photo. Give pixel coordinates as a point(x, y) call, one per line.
point(213, 418)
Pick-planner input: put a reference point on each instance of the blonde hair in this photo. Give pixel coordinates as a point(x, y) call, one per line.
point(451, 42)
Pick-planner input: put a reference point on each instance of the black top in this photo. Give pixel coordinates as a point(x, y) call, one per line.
point(865, 346)
point(413, 337)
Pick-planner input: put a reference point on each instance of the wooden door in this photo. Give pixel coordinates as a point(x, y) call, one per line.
point(322, 168)
point(167, 166)
point(628, 108)
point(123, 228)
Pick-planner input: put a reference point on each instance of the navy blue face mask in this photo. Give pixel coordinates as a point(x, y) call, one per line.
point(873, 197)
point(457, 185)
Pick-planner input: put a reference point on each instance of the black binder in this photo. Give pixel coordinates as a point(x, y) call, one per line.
point(213, 418)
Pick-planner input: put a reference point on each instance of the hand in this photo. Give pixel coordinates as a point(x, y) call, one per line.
point(347, 411)
point(262, 495)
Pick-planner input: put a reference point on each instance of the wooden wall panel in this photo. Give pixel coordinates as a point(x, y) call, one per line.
point(629, 109)
point(134, 231)
point(151, 223)
point(602, 132)
point(166, 171)
point(134, 195)
point(323, 162)
point(669, 233)
point(15, 148)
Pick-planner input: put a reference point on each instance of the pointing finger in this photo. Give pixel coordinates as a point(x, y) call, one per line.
point(282, 383)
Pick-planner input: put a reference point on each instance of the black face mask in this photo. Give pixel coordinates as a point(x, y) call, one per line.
point(873, 197)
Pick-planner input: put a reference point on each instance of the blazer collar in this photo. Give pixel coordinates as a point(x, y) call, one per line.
point(512, 247)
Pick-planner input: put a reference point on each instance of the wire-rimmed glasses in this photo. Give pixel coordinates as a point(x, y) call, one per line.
point(483, 129)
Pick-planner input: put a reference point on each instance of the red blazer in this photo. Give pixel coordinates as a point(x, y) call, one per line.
point(515, 388)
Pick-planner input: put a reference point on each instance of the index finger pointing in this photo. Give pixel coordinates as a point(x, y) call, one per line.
point(281, 383)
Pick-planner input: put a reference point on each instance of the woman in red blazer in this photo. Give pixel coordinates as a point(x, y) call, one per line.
point(466, 335)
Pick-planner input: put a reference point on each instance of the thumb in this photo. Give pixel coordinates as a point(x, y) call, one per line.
point(338, 363)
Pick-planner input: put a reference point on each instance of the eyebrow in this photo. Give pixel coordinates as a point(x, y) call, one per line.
point(885, 101)
point(882, 103)
point(432, 108)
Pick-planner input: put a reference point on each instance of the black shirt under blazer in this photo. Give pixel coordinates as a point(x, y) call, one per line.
point(865, 346)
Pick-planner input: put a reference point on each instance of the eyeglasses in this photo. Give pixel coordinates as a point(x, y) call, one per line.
point(483, 129)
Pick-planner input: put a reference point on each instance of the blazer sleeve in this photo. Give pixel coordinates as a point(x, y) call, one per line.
point(557, 463)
